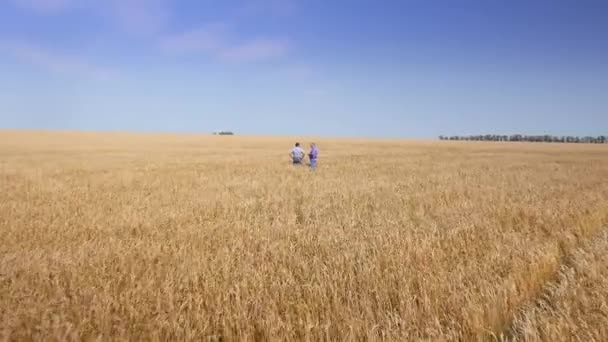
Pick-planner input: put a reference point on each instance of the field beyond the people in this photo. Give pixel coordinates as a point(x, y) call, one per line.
point(180, 237)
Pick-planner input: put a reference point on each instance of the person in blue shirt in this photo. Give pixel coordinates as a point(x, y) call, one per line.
point(313, 155)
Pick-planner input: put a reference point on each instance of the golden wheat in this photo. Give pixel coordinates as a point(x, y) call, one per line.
point(575, 307)
point(160, 237)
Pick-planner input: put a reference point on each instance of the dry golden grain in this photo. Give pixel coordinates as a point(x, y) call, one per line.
point(160, 237)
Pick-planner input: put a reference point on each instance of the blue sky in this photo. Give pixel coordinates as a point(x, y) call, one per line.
point(409, 68)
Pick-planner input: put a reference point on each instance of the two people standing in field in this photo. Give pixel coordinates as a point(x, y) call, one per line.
point(297, 156)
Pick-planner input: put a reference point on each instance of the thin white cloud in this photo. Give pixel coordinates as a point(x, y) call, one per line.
point(46, 6)
point(269, 7)
point(54, 62)
point(215, 41)
point(152, 17)
point(139, 17)
point(256, 50)
point(300, 72)
point(210, 39)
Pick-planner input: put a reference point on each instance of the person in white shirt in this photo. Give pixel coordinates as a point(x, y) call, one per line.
point(297, 155)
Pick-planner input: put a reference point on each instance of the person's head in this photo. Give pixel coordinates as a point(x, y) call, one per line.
point(312, 145)
point(297, 144)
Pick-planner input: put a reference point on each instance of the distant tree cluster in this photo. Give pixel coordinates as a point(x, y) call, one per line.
point(530, 138)
point(223, 133)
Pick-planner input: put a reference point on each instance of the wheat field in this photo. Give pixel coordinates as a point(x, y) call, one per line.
point(185, 237)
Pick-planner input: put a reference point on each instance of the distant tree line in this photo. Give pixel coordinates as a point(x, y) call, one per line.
point(223, 133)
point(530, 138)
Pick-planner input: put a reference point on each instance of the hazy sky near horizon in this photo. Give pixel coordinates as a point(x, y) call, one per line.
point(409, 68)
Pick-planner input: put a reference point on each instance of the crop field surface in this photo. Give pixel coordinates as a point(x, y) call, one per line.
point(185, 237)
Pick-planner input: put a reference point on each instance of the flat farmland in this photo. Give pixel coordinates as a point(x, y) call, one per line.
point(185, 237)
